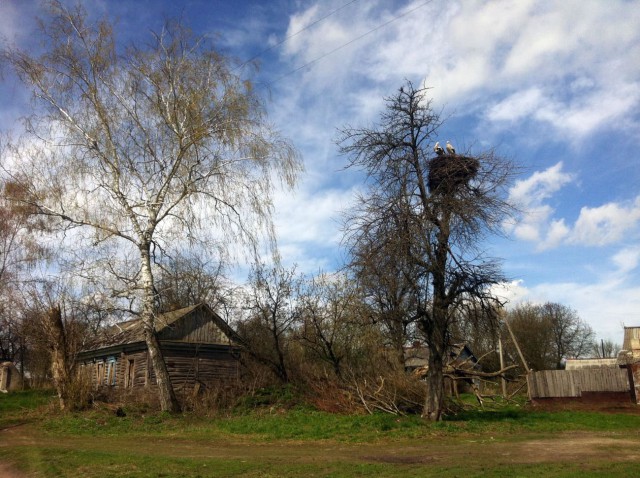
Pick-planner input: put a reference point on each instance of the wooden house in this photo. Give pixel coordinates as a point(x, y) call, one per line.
point(460, 358)
point(196, 344)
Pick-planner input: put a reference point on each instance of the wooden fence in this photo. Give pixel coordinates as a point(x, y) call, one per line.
point(571, 383)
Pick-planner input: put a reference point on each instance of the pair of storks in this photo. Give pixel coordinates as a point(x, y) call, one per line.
point(439, 151)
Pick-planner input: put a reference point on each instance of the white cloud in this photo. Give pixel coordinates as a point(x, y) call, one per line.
point(573, 119)
point(308, 224)
point(10, 26)
point(540, 186)
point(605, 224)
point(556, 233)
point(595, 226)
point(606, 302)
point(627, 259)
point(531, 50)
point(513, 292)
point(516, 61)
point(517, 106)
point(536, 223)
point(605, 306)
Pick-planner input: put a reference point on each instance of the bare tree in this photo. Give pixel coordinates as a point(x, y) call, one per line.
point(572, 337)
point(549, 333)
point(328, 327)
point(150, 146)
point(605, 349)
point(430, 213)
point(387, 287)
point(20, 251)
point(188, 279)
point(268, 315)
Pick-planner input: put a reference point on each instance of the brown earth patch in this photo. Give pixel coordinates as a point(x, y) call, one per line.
point(589, 402)
point(7, 472)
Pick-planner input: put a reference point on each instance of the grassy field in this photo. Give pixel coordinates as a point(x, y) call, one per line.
point(38, 441)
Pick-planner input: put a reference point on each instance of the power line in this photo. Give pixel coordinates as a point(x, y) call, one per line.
point(296, 33)
point(349, 42)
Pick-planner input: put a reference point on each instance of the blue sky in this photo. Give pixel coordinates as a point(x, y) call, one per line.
point(555, 86)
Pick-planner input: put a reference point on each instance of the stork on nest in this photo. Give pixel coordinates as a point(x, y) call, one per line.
point(450, 149)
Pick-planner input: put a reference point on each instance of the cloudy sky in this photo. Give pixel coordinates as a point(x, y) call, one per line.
point(554, 86)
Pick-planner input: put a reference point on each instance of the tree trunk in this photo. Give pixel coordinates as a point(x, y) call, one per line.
point(437, 326)
point(435, 388)
point(168, 400)
point(56, 337)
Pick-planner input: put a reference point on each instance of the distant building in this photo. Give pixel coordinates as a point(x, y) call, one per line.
point(596, 380)
point(579, 364)
point(629, 358)
point(10, 378)
point(460, 358)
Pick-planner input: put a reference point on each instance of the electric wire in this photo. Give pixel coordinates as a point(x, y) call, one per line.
point(296, 33)
point(344, 45)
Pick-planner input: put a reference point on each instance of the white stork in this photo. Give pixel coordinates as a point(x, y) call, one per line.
point(438, 149)
point(450, 148)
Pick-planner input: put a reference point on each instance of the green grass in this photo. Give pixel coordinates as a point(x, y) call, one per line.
point(25, 400)
point(18, 407)
point(299, 441)
point(297, 424)
point(518, 420)
point(76, 463)
point(308, 425)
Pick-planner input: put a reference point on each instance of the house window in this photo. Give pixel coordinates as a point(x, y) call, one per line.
point(129, 375)
point(111, 371)
point(99, 373)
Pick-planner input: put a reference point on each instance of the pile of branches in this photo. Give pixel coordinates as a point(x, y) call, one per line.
point(398, 394)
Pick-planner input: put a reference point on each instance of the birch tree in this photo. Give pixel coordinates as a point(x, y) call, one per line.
point(148, 146)
point(427, 216)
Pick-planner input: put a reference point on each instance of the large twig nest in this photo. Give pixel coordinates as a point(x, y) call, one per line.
point(448, 172)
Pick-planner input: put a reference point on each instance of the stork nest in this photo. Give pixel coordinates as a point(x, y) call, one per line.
point(448, 172)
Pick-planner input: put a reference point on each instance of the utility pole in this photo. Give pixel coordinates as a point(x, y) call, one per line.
point(502, 379)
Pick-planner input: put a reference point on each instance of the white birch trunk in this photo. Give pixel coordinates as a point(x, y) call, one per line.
point(168, 399)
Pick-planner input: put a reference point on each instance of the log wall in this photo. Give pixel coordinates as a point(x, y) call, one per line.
point(133, 371)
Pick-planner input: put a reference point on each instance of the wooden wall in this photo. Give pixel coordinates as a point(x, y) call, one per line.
point(572, 383)
point(185, 372)
point(132, 370)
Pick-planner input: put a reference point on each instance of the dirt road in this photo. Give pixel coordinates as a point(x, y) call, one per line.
point(565, 447)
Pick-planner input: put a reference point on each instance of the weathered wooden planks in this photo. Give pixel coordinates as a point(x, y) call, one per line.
point(571, 383)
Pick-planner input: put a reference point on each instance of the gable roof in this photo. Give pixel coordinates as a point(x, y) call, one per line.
point(168, 326)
